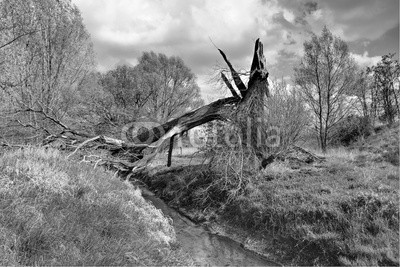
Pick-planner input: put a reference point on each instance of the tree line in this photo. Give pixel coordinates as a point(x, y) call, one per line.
point(48, 82)
point(334, 87)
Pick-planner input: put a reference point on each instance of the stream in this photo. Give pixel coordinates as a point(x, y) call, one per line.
point(206, 248)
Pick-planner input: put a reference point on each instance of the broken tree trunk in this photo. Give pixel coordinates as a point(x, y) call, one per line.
point(244, 105)
point(171, 148)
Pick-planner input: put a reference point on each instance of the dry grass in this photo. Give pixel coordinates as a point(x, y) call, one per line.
point(343, 211)
point(335, 213)
point(57, 212)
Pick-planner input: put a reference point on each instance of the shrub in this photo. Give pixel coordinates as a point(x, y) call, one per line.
point(56, 212)
point(350, 129)
point(286, 110)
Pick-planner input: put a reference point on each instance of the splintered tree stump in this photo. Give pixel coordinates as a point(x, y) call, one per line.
point(246, 102)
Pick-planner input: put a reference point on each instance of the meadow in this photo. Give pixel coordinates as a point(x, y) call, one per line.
point(55, 211)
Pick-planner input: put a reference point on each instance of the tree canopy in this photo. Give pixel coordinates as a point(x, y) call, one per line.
point(386, 75)
point(45, 51)
point(158, 87)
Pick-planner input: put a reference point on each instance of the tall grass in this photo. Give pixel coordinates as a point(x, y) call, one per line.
point(337, 214)
point(326, 213)
point(57, 212)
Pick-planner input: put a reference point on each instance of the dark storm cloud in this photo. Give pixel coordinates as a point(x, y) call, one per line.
point(356, 18)
point(310, 7)
point(387, 43)
point(364, 18)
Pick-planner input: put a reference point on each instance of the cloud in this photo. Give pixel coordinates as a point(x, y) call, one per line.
point(362, 18)
point(310, 7)
point(122, 29)
point(364, 60)
point(352, 20)
point(178, 27)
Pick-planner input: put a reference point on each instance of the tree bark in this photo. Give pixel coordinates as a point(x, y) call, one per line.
point(171, 148)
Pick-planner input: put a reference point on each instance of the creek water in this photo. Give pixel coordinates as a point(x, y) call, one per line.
point(206, 248)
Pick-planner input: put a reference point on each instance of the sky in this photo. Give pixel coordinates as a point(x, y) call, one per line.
point(122, 30)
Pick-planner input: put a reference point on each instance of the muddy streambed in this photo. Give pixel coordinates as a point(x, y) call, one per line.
point(206, 248)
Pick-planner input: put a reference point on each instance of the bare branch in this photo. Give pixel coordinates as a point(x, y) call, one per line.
point(236, 77)
point(18, 37)
point(229, 85)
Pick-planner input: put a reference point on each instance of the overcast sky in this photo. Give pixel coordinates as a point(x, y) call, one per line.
point(122, 29)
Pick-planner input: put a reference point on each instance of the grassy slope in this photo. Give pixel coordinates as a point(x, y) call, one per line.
point(331, 214)
point(340, 212)
point(57, 212)
point(382, 146)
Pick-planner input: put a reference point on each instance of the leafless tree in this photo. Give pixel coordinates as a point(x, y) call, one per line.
point(325, 77)
point(286, 110)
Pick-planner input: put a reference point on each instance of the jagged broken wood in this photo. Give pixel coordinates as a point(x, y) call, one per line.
point(128, 155)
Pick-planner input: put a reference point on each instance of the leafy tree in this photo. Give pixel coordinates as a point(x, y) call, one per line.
point(350, 129)
point(325, 76)
point(170, 85)
point(159, 87)
point(385, 79)
point(129, 98)
point(45, 51)
point(95, 106)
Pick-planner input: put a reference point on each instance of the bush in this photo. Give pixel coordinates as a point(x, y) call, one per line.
point(286, 110)
point(350, 129)
point(56, 212)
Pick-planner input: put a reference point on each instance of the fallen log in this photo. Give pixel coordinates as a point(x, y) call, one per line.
point(247, 101)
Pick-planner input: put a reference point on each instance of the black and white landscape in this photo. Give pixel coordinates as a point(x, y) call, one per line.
point(211, 133)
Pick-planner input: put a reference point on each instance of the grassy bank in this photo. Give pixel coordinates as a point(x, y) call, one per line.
point(343, 211)
point(57, 212)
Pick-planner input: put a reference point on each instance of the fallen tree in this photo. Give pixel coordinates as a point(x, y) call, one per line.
point(246, 104)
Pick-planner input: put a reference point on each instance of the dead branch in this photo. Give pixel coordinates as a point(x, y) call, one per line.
point(128, 156)
point(55, 121)
point(83, 144)
point(6, 144)
point(229, 85)
point(236, 77)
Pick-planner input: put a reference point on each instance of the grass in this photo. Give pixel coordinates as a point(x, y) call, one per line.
point(334, 214)
point(57, 212)
point(343, 211)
